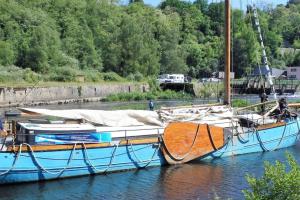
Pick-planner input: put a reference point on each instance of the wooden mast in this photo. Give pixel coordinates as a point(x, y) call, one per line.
point(227, 53)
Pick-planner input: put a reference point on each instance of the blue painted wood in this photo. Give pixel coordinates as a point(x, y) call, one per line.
point(97, 160)
point(110, 159)
point(259, 141)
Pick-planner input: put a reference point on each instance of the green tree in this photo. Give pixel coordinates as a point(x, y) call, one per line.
point(277, 182)
point(294, 2)
point(7, 56)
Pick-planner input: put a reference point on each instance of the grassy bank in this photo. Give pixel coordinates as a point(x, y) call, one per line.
point(154, 95)
point(240, 103)
point(209, 90)
point(13, 76)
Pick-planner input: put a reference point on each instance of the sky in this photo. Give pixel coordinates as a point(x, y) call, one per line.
point(235, 3)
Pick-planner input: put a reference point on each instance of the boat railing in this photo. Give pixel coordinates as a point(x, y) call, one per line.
point(14, 136)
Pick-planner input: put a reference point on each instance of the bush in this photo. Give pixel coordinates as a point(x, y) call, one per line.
point(112, 76)
point(13, 74)
point(154, 85)
point(276, 183)
point(92, 76)
point(137, 96)
point(30, 76)
point(63, 74)
point(135, 77)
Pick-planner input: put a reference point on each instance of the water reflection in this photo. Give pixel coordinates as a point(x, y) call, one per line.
point(197, 180)
point(189, 180)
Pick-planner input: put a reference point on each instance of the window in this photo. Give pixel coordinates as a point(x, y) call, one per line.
point(293, 76)
point(293, 69)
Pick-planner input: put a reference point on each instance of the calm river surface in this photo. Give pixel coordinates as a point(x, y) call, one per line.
point(224, 178)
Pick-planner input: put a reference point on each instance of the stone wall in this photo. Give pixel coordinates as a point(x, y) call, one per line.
point(45, 95)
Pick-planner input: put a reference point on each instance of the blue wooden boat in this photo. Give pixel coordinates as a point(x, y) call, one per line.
point(24, 166)
point(30, 162)
point(26, 160)
point(42, 154)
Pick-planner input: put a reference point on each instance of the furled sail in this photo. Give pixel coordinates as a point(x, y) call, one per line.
point(102, 117)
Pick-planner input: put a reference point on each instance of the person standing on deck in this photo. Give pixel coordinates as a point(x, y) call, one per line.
point(151, 105)
point(3, 132)
point(263, 98)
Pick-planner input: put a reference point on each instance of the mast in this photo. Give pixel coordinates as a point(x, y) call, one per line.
point(264, 55)
point(227, 100)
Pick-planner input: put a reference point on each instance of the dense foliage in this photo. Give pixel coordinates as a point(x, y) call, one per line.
point(68, 36)
point(277, 182)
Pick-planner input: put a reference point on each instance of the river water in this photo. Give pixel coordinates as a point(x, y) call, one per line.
point(223, 177)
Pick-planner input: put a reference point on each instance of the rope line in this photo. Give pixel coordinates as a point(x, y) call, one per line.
point(110, 162)
point(188, 152)
point(225, 145)
point(14, 163)
point(42, 167)
point(143, 161)
point(210, 137)
point(298, 129)
point(262, 144)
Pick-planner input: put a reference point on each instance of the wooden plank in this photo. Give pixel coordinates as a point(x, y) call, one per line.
point(294, 105)
point(255, 105)
point(268, 126)
point(80, 146)
point(186, 141)
point(191, 106)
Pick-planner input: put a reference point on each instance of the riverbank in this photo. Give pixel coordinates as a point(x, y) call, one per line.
point(41, 95)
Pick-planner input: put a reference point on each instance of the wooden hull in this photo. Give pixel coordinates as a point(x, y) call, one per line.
point(183, 142)
point(266, 138)
point(56, 163)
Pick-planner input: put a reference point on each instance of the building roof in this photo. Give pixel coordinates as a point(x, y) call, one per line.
point(274, 71)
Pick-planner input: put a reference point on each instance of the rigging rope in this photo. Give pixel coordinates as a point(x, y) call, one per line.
point(188, 152)
point(110, 162)
point(264, 55)
point(262, 144)
point(143, 161)
point(71, 158)
point(42, 167)
point(14, 163)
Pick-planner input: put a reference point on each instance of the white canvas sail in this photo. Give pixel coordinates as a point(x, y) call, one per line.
point(103, 117)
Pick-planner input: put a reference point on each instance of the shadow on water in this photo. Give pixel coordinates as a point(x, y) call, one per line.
point(223, 177)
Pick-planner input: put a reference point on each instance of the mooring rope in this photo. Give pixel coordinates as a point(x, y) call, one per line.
point(143, 161)
point(298, 129)
point(210, 137)
point(225, 145)
point(47, 170)
point(3, 142)
point(14, 163)
point(238, 134)
point(109, 164)
point(188, 152)
point(262, 144)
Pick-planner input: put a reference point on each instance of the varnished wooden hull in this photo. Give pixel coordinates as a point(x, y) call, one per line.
point(183, 142)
